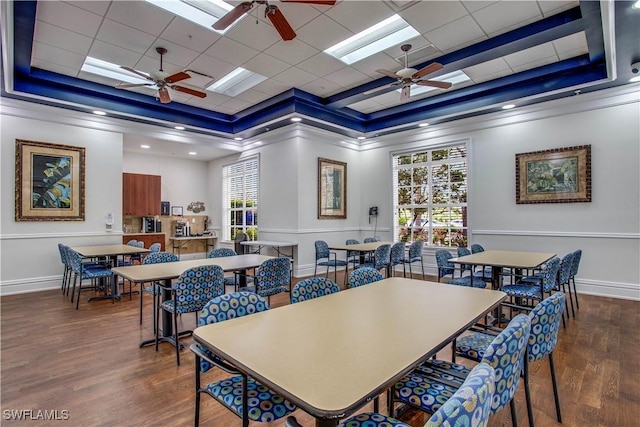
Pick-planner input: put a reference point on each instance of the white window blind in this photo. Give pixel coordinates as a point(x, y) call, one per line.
point(241, 198)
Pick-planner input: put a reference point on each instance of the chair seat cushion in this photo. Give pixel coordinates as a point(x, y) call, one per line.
point(190, 306)
point(468, 281)
point(333, 263)
point(523, 291)
point(265, 292)
point(263, 404)
point(372, 419)
point(473, 345)
point(95, 272)
point(151, 290)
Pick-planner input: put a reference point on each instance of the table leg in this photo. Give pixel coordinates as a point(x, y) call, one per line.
point(321, 422)
point(114, 285)
point(167, 324)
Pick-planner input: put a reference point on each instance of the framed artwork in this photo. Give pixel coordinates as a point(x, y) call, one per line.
point(49, 182)
point(176, 210)
point(332, 189)
point(561, 175)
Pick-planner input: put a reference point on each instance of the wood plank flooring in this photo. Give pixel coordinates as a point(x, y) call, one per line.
point(88, 363)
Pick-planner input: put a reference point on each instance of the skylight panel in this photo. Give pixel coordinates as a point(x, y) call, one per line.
point(236, 82)
point(112, 71)
point(201, 12)
point(383, 35)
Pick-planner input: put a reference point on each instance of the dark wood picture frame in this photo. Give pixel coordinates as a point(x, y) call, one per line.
point(332, 189)
point(50, 182)
point(560, 175)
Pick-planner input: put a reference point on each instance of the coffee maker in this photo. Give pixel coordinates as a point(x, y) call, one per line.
point(151, 225)
point(180, 229)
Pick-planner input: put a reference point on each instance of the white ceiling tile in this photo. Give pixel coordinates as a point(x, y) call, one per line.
point(298, 14)
point(231, 51)
point(473, 5)
point(323, 32)
point(189, 35)
point(97, 79)
point(56, 36)
point(97, 7)
point(69, 17)
point(493, 76)
point(56, 55)
point(56, 68)
point(236, 105)
point(252, 96)
point(211, 66)
point(359, 15)
point(456, 35)
point(214, 99)
point(575, 44)
point(551, 7)
point(118, 34)
point(426, 16)
point(226, 110)
point(503, 16)
point(480, 71)
point(321, 65)
point(535, 64)
point(265, 65)
point(347, 77)
point(530, 55)
point(271, 87)
point(292, 52)
point(141, 15)
point(151, 65)
point(322, 87)
point(257, 36)
point(175, 54)
point(379, 61)
point(295, 77)
point(114, 54)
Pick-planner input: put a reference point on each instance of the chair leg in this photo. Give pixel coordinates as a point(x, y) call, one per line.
point(196, 417)
point(555, 387)
point(527, 391)
point(141, 292)
point(175, 333)
point(514, 418)
point(575, 292)
point(245, 398)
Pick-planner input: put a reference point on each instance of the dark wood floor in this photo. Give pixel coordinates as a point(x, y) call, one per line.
point(88, 363)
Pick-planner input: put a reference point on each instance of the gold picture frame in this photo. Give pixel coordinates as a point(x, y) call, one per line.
point(332, 189)
point(560, 175)
point(49, 182)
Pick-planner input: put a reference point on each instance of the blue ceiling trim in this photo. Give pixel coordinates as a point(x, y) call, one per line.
point(593, 29)
point(24, 21)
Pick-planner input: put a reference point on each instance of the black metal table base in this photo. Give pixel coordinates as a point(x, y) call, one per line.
point(168, 339)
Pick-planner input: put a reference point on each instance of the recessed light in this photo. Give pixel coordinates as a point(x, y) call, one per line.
point(362, 137)
point(236, 82)
point(192, 153)
point(508, 106)
point(179, 127)
point(145, 146)
point(100, 113)
point(237, 138)
point(296, 119)
point(636, 5)
point(423, 125)
point(634, 79)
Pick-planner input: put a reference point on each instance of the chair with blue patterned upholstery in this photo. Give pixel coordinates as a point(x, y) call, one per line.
point(322, 253)
point(396, 256)
point(154, 258)
point(370, 239)
point(313, 287)
point(66, 273)
point(415, 254)
point(430, 385)
point(444, 266)
point(381, 259)
point(364, 276)
point(262, 404)
point(353, 257)
point(272, 277)
point(82, 271)
point(225, 252)
point(462, 251)
point(577, 256)
point(543, 337)
point(194, 288)
point(533, 288)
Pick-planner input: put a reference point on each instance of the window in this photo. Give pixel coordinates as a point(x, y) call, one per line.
point(241, 198)
point(430, 196)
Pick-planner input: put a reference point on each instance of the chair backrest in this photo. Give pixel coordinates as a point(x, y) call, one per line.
point(545, 324)
point(351, 242)
point(382, 256)
point(155, 247)
point(138, 244)
point(240, 237)
point(415, 250)
point(225, 307)
point(63, 254)
point(444, 266)
point(221, 252)
point(322, 249)
point(397, 253)
point(364, 276)
point(506, 355)
point(549, 274)
point(471, 403)
point(273, 273)
point(198, 285)
point(159, 257)
point(564, 273)
point(370, 239)
point(475, 248)
point(462, 251)
point(313, 287)
point(577, 255)
point(74, 259)
point(132, 242)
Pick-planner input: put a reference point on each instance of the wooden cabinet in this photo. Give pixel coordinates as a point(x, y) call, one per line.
point(141, 194)
point(148, 239)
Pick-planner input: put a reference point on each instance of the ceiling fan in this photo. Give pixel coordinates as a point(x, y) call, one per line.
point(162, 81)
point(272, 12)
point(410, 76)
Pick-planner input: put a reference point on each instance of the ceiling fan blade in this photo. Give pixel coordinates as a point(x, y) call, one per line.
point(280, 23)
point(163, 94)
point(133, 85)
point(389, 74)
point(406, 93)
point(143, 75)
point(431, 68)
point(324, 2)
point(189, 91)
point(177, 77)
point(434, 83)
point(233, 15)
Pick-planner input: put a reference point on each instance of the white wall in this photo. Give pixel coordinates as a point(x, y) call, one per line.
point(29, 257)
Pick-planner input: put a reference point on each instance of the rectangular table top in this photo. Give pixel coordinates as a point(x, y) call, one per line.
point(192, 238)
point(172, 270)
point(273, 243)
point(329, 355)
point(359, 247)
point(511, 259)
point(108, 250)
